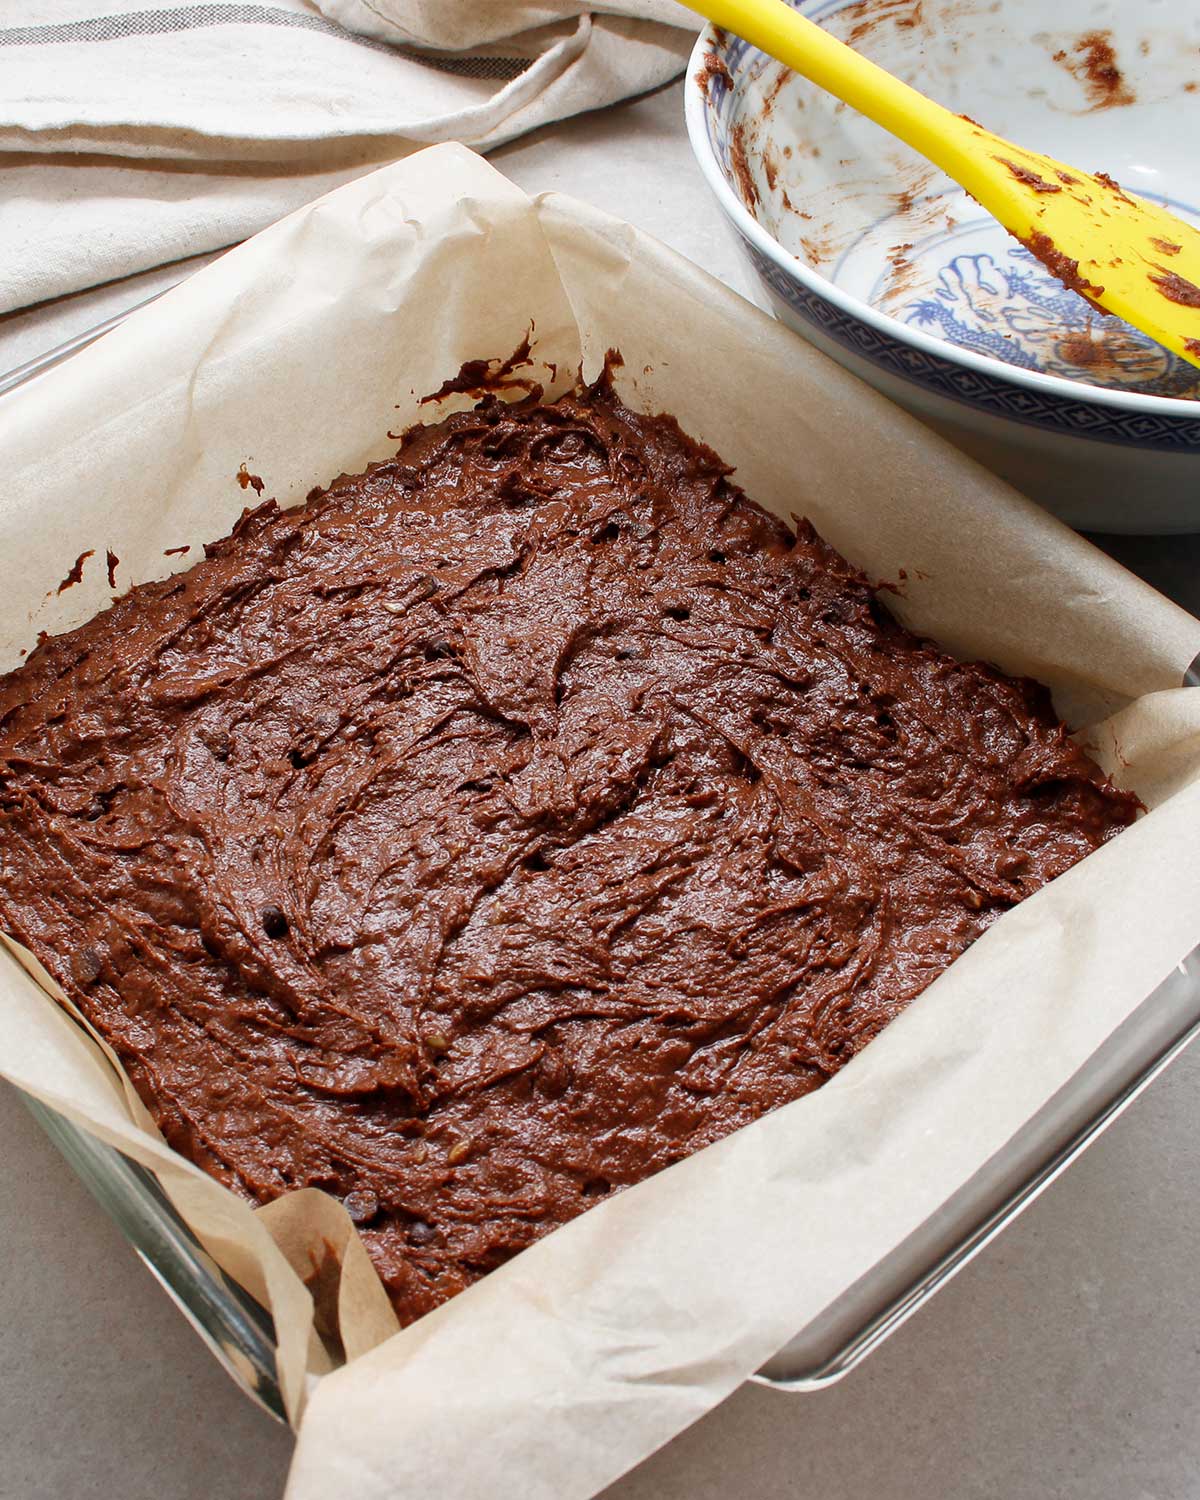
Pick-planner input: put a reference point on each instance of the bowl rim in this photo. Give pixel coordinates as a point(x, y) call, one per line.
point(696, 107)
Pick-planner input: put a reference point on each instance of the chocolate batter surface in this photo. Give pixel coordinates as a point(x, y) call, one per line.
point(508, 822)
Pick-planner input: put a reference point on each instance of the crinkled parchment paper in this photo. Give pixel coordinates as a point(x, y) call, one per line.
point(294, 355)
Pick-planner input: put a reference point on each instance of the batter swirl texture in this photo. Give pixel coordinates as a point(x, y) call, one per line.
point(508, 822)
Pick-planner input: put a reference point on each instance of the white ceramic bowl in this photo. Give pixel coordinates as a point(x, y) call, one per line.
point(886, 264)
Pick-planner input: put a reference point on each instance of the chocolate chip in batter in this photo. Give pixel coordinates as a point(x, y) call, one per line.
point(86, 966)
point(274, 922)
point(361, 1204)
point(421, 1233)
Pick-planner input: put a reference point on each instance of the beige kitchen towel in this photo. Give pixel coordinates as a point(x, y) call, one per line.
point(136, 132)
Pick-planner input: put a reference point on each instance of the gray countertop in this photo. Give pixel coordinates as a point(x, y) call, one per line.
point(1063, 1362)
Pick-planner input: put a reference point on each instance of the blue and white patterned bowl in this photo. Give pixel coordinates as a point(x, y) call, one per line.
point(886, 264)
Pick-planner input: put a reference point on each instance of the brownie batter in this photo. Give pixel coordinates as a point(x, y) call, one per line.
point(508, 822)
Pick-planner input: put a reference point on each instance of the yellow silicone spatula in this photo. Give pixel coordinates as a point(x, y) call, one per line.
point(1126, 256)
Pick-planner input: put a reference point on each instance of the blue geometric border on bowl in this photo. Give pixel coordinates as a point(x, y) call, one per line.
point(1016, 403)
point(1003, 398)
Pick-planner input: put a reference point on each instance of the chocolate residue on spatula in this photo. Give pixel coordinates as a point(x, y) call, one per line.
point(1176, 288)
point(1028, 177)
point(1063, 267)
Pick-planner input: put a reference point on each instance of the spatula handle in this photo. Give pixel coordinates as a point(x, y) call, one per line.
point(775, 28)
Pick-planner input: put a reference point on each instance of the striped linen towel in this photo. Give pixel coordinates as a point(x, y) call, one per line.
point(138, 132)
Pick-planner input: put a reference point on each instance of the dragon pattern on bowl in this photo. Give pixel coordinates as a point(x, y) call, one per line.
point(1006, 305)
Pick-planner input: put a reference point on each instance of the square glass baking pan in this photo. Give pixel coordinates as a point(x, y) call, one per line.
point(240, 1333)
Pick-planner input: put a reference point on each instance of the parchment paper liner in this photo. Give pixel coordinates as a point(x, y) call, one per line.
point(295, 354)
